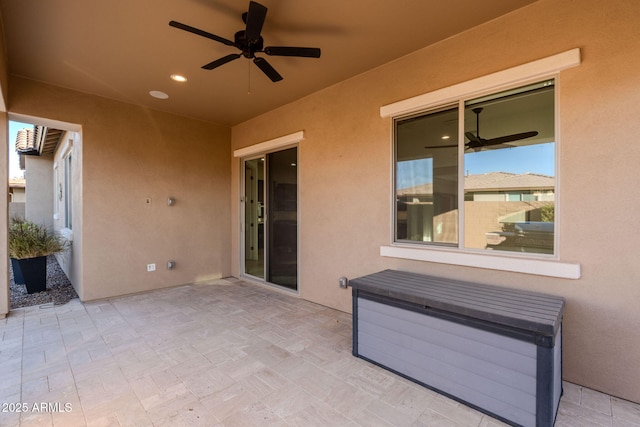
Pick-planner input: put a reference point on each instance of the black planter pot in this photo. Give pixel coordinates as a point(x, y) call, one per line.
point(34, 273)
point(17, 273)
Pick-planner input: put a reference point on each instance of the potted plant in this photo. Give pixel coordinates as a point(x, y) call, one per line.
point(29, 246)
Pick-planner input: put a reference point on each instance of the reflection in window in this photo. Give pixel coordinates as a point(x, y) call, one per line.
point(427, 178)
point(507, 173)
point(509, 182)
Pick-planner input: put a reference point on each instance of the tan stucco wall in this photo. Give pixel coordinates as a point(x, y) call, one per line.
point(129, 154)
point(39, 190)
point(346, 162)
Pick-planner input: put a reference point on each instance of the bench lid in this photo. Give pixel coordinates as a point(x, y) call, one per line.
point(526, 310)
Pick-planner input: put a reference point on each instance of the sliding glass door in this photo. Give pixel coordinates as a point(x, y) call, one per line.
point(271, 218)
point(254, 217)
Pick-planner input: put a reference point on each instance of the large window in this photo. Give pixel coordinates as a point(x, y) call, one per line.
point(479, 174)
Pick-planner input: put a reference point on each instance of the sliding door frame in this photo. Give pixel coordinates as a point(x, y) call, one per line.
point(252, 153)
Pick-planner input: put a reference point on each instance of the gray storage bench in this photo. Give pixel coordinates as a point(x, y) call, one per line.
point(496, 349)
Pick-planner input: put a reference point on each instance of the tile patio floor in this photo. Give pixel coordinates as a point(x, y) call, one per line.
point(229, 353)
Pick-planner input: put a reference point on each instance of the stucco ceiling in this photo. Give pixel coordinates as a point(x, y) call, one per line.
point(123, 49)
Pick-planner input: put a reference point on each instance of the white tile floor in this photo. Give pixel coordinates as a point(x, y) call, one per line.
point(228, 353)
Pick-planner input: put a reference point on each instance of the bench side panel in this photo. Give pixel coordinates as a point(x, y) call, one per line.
point(492, 372)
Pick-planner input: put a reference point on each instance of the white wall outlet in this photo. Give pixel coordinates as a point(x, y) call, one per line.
point(151, 267)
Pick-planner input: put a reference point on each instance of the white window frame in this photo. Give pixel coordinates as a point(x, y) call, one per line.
point(67, 180)
point(57, 192)
point(63, 183)
point(548, 67)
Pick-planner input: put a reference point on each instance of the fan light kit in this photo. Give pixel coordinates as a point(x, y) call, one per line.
point(249, 42)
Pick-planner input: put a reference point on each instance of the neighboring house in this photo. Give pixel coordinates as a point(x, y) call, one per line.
point(509, 187)
point(492, 187)
point(35, 148)
point(16, 197)
point(156, 186)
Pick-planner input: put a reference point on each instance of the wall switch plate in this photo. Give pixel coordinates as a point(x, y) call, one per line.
point(151, 267)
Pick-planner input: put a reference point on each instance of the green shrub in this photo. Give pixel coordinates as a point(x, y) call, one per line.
point(548, 213)
point(30, 240)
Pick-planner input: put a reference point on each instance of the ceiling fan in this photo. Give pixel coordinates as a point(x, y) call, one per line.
point(476, 143)
point(249, 42)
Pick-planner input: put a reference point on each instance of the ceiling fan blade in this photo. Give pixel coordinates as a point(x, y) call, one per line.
point(477, 143)
point(305, 52)
point(510, 138)
point(255, 20)
point(221, 61)
point(267, 69)
point(202, 33)
point(473, 138)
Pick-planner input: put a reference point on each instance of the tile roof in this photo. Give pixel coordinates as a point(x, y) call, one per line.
point(506, 180)
point(25, 141)
point(37, 141)
point(492, 181)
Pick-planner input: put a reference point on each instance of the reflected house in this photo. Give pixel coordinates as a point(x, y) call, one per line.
point(501, 207)
point(509, 187)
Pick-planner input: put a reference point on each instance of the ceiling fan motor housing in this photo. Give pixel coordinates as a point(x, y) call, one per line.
point(247, 47)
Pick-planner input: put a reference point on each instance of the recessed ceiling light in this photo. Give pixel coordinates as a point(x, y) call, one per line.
point(158, 94)
point(178, 78)
point(445, 137)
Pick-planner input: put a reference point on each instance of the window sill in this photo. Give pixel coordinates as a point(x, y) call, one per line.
point(67, 233)
point(539, 267)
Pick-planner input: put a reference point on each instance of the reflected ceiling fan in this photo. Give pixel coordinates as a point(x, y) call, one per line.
point(476, 143)
point(249, 42)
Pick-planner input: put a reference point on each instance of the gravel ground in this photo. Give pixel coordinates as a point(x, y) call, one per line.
point(59, 289)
